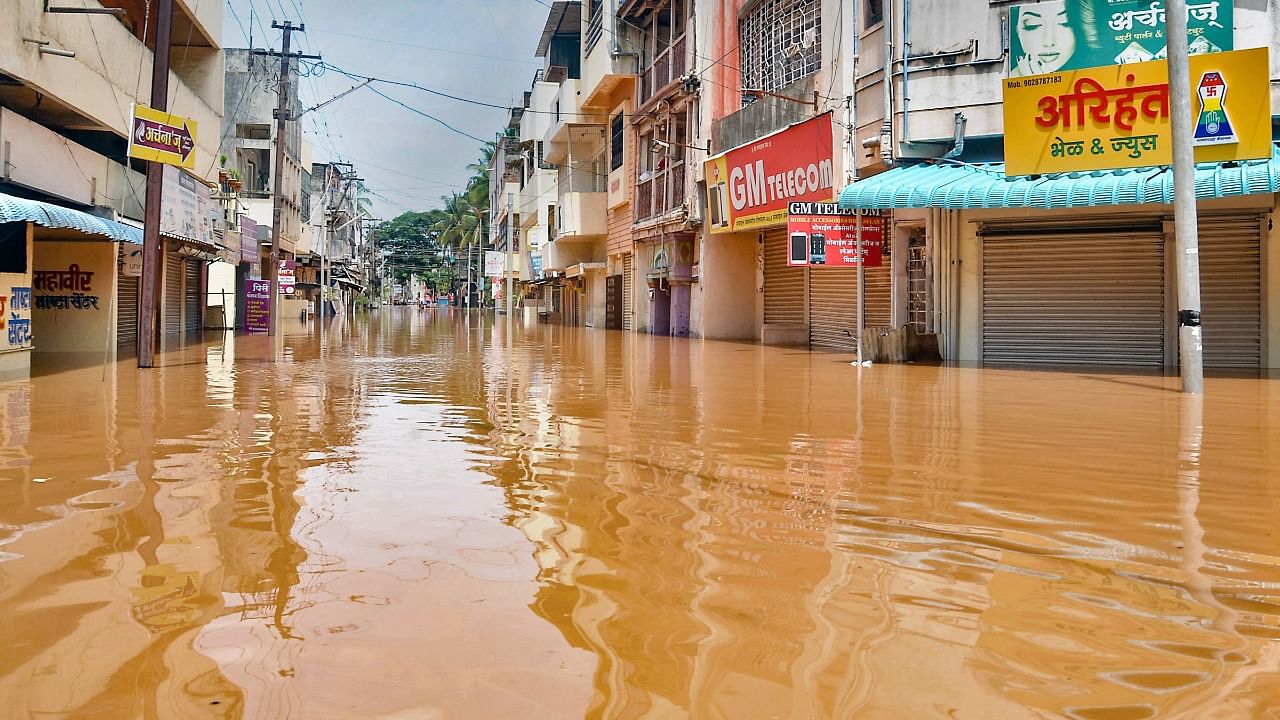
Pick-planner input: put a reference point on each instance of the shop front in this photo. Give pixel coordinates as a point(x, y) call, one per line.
point(1023, 282)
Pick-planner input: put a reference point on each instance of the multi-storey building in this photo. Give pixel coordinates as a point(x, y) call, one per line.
point(71, 200)
point(1052, 268)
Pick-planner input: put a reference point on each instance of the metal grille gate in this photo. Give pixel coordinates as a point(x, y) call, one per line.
point(784, 286)
point(1058, 296)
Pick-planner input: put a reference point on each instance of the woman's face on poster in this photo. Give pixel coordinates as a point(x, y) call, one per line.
point(1046, 36)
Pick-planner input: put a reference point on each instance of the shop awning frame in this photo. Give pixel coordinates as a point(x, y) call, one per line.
point(952, 185)
point(56, 217)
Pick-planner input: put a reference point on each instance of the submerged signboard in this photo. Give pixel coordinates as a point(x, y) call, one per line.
point(1118, 116)
point(1059, 35)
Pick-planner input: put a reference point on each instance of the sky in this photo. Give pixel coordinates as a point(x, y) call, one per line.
point(476, 49)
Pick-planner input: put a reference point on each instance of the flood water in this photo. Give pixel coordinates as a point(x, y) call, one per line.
point(420, 521)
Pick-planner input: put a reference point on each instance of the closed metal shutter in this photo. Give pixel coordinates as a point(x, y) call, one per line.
point(191, 297)
point(172, 294)
point(628, 289)
point(1231, 290)
point(783, 285)
point(1064, 297)
point(127, 312)
point(833, 304)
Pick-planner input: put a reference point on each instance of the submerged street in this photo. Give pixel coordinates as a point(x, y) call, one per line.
point(430, 519)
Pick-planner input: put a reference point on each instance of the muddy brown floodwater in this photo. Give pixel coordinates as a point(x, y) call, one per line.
point(417, 522)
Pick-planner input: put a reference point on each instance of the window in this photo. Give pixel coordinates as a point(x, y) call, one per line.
point(780, 42)
point(616, 137)
point(875, 12)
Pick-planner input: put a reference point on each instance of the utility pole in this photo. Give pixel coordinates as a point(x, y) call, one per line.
point(511, 222)
point(152, 246)
point(1185, 216)
point(283, 117)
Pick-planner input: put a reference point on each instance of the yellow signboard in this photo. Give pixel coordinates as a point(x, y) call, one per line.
point(1118, 116)
point(161, 137)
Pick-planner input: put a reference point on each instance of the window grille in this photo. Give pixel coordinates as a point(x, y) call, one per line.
point(780, 43)
point(616, 138)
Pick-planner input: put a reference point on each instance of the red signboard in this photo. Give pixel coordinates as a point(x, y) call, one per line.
point(751, 186)
point(824, 235)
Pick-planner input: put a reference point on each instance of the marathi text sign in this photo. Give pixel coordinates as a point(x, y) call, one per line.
point(495, 263)
point(250, 248)
point(257, 306)
point(162, 137)
point(15, 318)
point(187, 207)
point(287, 277)
point(751, 186)
point(825, 235)
point(1072, 34)
point(1118, 116)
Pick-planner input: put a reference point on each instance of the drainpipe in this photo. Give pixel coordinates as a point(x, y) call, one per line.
point(906, 70)
point(957, 145)
point(886, 131)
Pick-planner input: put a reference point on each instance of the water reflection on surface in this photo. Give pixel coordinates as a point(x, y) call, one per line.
point(700, 530)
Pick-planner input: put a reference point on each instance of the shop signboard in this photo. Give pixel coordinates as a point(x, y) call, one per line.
point(250, 250)
point(495, 263)
point(750, 187)
point(287, 278)
point(1047, 37)
point(131, 261)
point(158, 136)
point(1118, 116)
point(187, 208)
point(535, 265)
point(15, 318)
point(826, 235)
point(257, 306)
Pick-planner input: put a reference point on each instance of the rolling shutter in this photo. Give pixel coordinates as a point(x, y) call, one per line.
point(172, 294)
point(783, 285)
point(1231, 290)
point(127, 312)
point(833, 304)
point(191, 297)
point(628, 289)
point(1073, 297)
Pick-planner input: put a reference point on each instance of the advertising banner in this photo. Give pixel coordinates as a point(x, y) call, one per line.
point(1118, 116)
point(131, 260)
point(162, 137)
point(187, 208)
point(535, 265)
point(257, 306)
point(250, 250)
point(495, 263)
point(824, 235)
point(750, 186)
point(287, 279)
point(1071, 34)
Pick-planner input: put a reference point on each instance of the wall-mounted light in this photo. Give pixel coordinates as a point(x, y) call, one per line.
point(44, 49)
point(664, 145)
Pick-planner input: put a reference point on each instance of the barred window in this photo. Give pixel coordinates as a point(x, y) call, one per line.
point(780, 42)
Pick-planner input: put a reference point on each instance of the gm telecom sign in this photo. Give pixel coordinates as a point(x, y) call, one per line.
point(160, 137)
point(1118, 116)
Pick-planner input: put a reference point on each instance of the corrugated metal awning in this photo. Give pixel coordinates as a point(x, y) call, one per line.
point(962, 186)
point(16, 209)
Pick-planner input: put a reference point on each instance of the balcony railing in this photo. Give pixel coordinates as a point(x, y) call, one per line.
point(660, 193)
point(666, 69)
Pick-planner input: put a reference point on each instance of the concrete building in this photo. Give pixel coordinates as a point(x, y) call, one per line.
point(1071, 270)
point(71, 199)
point(248, 151)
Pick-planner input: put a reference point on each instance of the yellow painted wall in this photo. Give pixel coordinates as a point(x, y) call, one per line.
point(76, 329)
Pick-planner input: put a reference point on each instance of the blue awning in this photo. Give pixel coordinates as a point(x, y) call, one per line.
point(961, 186)
point(16, 209)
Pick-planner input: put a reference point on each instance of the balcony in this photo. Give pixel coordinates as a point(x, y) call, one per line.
point(666, 70)
point(661, 193)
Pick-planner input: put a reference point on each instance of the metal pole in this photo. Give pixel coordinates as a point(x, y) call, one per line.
point(152, 246)
point(857, 233)
point(277, 200)
point(511, 221)
point(1186, 222)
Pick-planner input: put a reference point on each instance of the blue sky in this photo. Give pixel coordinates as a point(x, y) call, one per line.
point(478, 49)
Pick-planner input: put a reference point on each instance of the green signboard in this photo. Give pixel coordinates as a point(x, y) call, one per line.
point(1072, 34)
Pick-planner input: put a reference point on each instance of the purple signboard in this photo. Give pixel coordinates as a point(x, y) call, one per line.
point(257, 306)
